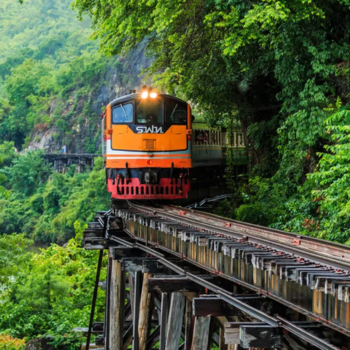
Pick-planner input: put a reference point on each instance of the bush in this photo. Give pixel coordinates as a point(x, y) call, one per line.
point(253, 213)
point(9, 343)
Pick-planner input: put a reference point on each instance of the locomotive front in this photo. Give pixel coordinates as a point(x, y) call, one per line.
point(147, 146)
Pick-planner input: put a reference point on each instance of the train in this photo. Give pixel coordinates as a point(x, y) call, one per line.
point(153, 148)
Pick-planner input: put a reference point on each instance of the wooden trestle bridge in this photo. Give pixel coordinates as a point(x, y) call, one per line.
point(62, 161)
point(181, 279)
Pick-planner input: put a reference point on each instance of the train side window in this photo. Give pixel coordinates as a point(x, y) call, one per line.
point(175, 112)
point(123, 114)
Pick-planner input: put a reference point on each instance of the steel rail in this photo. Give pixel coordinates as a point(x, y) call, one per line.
point(343, 249)
point(230, 299)
point(315, 257)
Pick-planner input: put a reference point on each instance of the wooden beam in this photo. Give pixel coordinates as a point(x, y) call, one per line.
point(145, 313)
point(135, 317)
point(162, 321)
point(212, 306)
point(201, 333)
point(176, 314)
point(117, 298)
point(171, 284)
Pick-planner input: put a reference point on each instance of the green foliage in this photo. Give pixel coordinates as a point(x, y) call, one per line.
point(12, 257)
point(46, 205)
point(56, 32)
point(27, 174)
point(320, 206)
point(7, 153)
point(33, 85)
point(222, 53)
point(49, 73)
point(253, 213)
point(50, 292)
point(328, 186)
point(44, 66)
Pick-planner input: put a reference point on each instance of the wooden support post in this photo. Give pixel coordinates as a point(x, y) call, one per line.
point(201, 333)
point(162, 321)
point(117, 300)
point(135, 316)
point(176, 314)
point(128, 334)
point(145, 313)
point(222, 345)
point(108, 303)
point(188, 321)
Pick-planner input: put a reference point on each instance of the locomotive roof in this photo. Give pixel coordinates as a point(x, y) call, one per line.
point(129, 97)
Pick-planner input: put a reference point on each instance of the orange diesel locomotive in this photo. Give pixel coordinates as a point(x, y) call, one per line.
point(147, 146)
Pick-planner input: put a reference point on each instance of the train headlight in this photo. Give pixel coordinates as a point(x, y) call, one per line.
point(153, 94)
point(144, 94)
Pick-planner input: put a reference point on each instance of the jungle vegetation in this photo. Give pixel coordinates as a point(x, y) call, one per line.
point(51, 76)
point(48, 66)
point(46, 294)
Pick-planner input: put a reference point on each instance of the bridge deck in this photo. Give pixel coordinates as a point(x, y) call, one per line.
point(224, 283)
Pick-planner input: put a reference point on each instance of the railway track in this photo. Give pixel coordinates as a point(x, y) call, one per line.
point(305, 279)
point(313, 249)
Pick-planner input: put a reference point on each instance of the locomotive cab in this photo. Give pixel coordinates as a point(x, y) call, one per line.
point(147, 146)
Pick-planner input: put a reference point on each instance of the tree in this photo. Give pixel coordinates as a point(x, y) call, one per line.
point(12, 257)
point(27, 173)
point(53, 293)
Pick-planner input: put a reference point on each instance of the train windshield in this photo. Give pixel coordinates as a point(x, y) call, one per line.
point(123, 113)
point(175, 112)
point(149, 111)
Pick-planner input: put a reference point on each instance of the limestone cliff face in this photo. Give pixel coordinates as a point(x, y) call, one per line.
point(78, 118)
